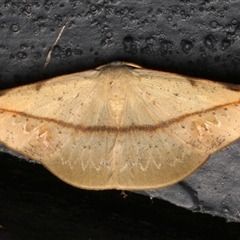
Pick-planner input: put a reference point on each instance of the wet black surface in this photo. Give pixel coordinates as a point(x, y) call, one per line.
point(36, 205)
point(189, 37)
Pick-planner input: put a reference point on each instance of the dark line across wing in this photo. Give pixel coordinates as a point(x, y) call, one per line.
point(126, 129)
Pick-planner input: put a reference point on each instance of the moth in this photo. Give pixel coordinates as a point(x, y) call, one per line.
point(120, 126)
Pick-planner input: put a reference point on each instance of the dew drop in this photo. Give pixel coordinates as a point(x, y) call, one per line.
point(109, 35)
point(214, 24)
point(225, 44)
point(15, 27)
point(23, 46)
point(56, 51)
point(234, 21)
point(93, 8)
point(221, 13)
point(22, 55)
point(186, 46)
point(210, 42)
point(225, 209)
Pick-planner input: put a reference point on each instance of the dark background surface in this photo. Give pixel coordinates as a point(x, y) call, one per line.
point(36, 205)
point(198, 39)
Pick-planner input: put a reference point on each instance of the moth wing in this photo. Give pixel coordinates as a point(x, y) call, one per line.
point(154, 132)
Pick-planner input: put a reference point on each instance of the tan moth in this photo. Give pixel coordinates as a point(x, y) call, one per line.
point(120, 126)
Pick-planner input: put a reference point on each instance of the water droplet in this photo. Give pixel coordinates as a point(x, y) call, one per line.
point(56, 51)
point(225, 44)
point(15, 27)
point(93, 8)
point(22, 55)
point(109, 35)
point(23, 46)
point(221, 13)
point(214, 24)
point(210, 42)
point(234, 21)
point(225, 209)
point(186, 46)
point(229, 28)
